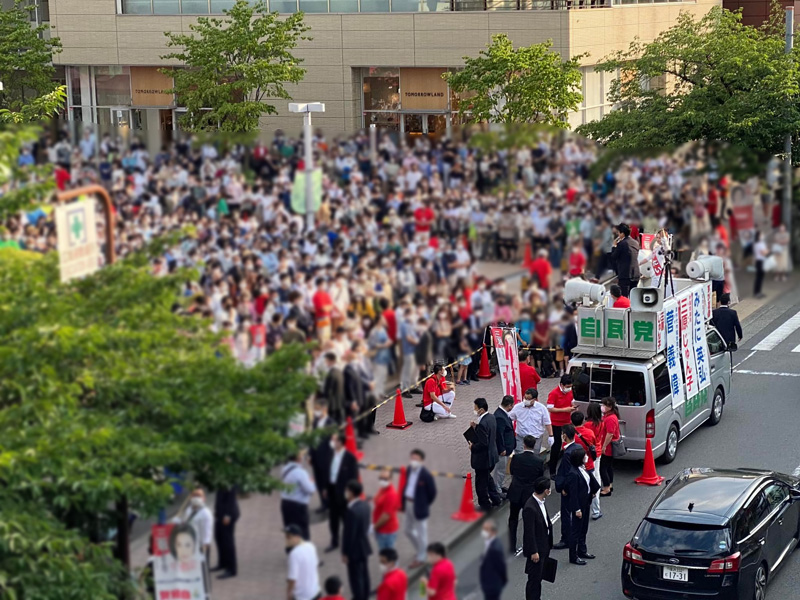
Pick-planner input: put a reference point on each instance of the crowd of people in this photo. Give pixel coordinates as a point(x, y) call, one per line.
point(386, 285)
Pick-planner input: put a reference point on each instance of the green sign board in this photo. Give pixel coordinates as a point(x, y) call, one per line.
point(590, 326)
point(696, 403)
point(617, 325)
point(299, 191)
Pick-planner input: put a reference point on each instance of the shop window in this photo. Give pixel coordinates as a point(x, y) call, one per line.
point(381, 89)
point(166, 7)
point(283, 6)
point(75, 85)
point(112, 86)
point(194, 7)
point(313, 6)
point(344, 6)
point(218, 6)
point(405, 5)
point(374, 5)
point(136, 7)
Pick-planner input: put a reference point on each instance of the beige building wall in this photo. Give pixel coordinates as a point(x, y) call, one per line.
point(93, 34)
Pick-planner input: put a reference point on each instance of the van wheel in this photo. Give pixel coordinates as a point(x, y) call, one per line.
point(760, 583)
point(671, 450)
point(716, 407)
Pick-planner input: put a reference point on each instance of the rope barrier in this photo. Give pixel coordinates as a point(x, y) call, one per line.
point(397, 470)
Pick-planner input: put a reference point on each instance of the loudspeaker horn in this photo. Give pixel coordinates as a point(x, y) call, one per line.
point(575, 290)
point(647, 299)
point(706, 267)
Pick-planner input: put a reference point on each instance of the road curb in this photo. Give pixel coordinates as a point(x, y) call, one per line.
point(753, 316)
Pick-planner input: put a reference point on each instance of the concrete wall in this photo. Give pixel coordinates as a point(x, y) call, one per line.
point(93, 34)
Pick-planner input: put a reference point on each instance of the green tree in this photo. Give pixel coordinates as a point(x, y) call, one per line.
point(531, 84)
point(232, 66)
point(710, 80)
point(26, 58)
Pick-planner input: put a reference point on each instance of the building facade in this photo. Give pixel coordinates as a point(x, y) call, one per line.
point(370, 61)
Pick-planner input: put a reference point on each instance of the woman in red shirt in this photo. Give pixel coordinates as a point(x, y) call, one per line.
point(611, 427)
point(594, 422)
point(441, 585)
point(384, 516)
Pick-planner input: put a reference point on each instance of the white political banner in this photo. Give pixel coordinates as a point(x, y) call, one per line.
point(687, 348)
point(699, 342)
point(671, 324)
point(505, 347)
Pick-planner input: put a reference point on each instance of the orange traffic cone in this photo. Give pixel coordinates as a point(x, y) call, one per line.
point(649, 475)
point(350, 440)
point(485, 372)
point(399, 421)
point(467, 511)
point(401, 482)
point(528, 260)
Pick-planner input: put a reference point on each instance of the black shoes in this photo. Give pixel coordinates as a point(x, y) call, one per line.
point(331, 548)
point(587, 556)
point(562, 545)
point(407, 395)
point(578, 561)
point(227, 575)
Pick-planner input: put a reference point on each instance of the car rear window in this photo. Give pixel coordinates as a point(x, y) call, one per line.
point(682, 539)
point(595, 383)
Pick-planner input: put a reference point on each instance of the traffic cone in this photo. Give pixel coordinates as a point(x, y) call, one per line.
point(401, 481)
point(350, 440)
point(485, 372)
point(399, 421)
point(649, 475)
point(467, 511)
point(528, 260)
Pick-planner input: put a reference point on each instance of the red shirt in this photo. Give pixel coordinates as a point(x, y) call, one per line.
point(423, 218)
point(259, 334)
point(394, 586)
point(590, 438)
point(559, 399)
point(610, 425)
point(443, 580)
point(528, 377)
point(387, 501)
point(391, 323)
point(577, 263)
point(337, 597)
point(432, 386)
point(599, 434)
point(542, 269)
point(323, 305)
point(62, 178)
point(622, 302)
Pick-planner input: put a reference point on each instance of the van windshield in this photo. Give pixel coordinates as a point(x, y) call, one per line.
point(682, 539)
point(596, 383)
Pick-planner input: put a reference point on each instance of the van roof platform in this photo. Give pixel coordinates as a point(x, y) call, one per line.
point(611, 352)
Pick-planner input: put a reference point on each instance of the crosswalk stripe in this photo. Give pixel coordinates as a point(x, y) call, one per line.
point(796, 348)
point(780, 334)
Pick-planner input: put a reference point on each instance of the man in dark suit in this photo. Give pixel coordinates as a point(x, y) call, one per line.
point(726, 321)
point(580, 488)
point(537, 538)
point(343, 468)
point(562, 474)
point(226, 513)
point(354, 393)
point(355, 540)
point(484, 455)
point(506, 442)
point(417, 496)
point(321, 454)
point(333, 388)
point(625, 258)
point(526, 468)
point(493, 574)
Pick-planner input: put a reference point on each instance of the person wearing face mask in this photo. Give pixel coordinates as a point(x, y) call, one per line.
point(532, 419)
point(537, 539)
point(356, 548)
point(526, 468)
point(493, 572)
point(384, 515)
point(342, 468)
point(505, 441)
point(580, 486)
point(417, 497)
point(567, 441)
point(441, 585)
point(484, 455)
point(296, 494)
point(610, 433)
point(559, 403)
point(196, 512)
point(394, 583)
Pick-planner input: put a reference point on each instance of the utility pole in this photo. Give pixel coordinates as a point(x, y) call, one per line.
point(306, 109)
point(787, 149)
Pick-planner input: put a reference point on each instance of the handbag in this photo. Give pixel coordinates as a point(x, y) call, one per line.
point(426, 414)
point(549, 570)
point(590, 448)
point(618, 449)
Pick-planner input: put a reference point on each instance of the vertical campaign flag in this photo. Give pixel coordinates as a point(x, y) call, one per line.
point(505, 347)
point(671, 324)
point(687, 336)
point(699, 342)
point(178, 563)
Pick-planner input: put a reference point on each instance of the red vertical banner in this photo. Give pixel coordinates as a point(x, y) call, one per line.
point(505, 347)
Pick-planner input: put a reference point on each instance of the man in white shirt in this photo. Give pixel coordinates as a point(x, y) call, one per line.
point(297, 494)
point(532, 418)
point(200, 517)
point(302, 580)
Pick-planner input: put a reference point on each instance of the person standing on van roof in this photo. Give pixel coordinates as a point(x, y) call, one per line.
point(617, 299)
point(559, 403)
point(726, 321)
point(625, 258)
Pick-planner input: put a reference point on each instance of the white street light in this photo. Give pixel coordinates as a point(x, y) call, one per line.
point(307, 108)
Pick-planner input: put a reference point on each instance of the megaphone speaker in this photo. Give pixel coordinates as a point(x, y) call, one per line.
point(712, 265)
point(576, 289)
point(647, 299)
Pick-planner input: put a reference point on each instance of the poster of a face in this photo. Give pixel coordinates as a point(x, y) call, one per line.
point(178, 563)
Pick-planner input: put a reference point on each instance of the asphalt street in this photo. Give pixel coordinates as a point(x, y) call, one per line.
point(758, 429)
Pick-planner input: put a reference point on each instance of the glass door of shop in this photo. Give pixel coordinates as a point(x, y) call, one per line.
point(433, 126)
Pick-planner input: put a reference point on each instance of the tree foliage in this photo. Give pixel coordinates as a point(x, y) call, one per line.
point(233, 65)
point(26, 58)
point(531, 84)
point(711, 80)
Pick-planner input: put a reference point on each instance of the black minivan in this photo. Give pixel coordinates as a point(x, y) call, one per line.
point(713, 534)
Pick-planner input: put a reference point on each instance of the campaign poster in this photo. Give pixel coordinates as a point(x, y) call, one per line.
point(672, 327)
point(699, 342)
point(686, 328)
point(178, 563)
point(505, 347)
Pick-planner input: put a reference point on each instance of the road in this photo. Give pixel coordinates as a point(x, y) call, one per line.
point(758, 429)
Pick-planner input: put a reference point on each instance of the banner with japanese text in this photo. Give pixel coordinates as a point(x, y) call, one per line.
point(686, 322)
point(699, 342)
point(671, 324)
point(178, 563)
point(505, 347)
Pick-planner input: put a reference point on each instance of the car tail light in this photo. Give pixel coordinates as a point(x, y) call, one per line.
point(650, 424)
point(632, 555)
point(725, 565)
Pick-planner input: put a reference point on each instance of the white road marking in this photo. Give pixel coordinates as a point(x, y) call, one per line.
point(736, 366)
point(796, 472)
point(779, 334)
point(553, 519)
point(796, 348)
point(770, 373)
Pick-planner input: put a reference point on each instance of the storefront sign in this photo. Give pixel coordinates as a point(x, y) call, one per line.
point(505, 347)
point(423, 89)
point(671, 324)
point(149, 87)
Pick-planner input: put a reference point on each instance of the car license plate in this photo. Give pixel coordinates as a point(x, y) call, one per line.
point(675, 573)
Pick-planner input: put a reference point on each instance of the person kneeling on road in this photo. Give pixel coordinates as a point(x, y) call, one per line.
point(438, 394)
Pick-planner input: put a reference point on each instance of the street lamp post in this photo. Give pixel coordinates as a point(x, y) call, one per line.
point(307, 108)
point(787, 159)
